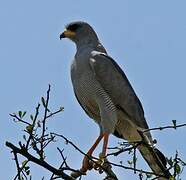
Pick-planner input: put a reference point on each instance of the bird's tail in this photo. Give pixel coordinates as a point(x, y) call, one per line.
point(156, 160)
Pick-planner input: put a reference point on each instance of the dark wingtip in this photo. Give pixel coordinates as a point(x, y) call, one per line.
point(161, 157)
point(163, 160)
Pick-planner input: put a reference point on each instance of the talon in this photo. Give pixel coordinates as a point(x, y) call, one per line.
point(99, 162)
point(96, 166)
point(88, 164)
point(102, 157)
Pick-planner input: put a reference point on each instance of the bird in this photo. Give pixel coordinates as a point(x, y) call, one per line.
point(106, 95)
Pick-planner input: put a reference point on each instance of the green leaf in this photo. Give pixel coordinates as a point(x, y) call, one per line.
point(27, 172)
point(29, 128)
point(27, 168)
point(174, 123)
point(20, 114)
point(182, 162)
point(170, 161)
point(24, 137)
point(31, 117)
point(178, 169)
point(172, 178)
point(24, 162)
point(130, 162)
point(24, 113)
point(61, 108)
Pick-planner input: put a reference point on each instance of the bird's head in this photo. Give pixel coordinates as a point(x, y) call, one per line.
point(79, 32)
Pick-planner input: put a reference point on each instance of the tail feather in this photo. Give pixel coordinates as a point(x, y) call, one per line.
point(156, 160)
point(161, 156)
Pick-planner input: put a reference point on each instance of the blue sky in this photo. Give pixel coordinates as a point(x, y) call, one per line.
point(146, 38)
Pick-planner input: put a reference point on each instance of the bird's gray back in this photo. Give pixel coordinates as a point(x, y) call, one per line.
point(89, 92)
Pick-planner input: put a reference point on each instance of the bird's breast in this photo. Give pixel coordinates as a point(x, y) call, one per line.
point(86, 88)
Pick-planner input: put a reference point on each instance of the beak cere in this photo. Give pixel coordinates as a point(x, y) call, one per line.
point(67, 34)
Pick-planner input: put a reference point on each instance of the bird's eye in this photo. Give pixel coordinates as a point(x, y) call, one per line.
point(73, 27)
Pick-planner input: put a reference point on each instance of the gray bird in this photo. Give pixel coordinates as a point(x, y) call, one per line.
point(104, 92)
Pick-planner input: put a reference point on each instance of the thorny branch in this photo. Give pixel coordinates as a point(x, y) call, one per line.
point(105, 167)
point(37, 139)
point(17, 164)
point(174, 126)
point(31, 158)
point(30, 129)
point(44, 121)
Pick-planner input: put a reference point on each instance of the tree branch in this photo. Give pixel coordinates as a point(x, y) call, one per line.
point(39, 138)
point(165, 127)
point(43, 164)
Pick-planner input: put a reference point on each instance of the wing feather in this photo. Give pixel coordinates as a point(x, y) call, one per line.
point(114, 81)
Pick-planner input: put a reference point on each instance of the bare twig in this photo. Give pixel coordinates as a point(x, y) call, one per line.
point(17, 164)
point(140, 176)
point(165, 127)
point(63, 163)
point(107, 169)
point(175, 165)
point(43, 164)
point(19, 119)
point(114, 164)
point(44, 122)
point(64, 158)
point(21, 169)
point(134, 160)
point(121, 150)
point(137, 170)
point(71, 143)
point(38, 140)
point(32, 126)
point(56, 112)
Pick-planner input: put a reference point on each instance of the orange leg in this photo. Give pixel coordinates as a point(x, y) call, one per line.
point(105, 144)
point(86, 165)
point(91, 150)
point(102, 155)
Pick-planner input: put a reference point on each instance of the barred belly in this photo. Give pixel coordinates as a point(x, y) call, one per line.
point(89, 93)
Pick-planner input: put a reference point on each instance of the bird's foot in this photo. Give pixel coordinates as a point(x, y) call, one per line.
point(86, 165)
point(99, 163)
